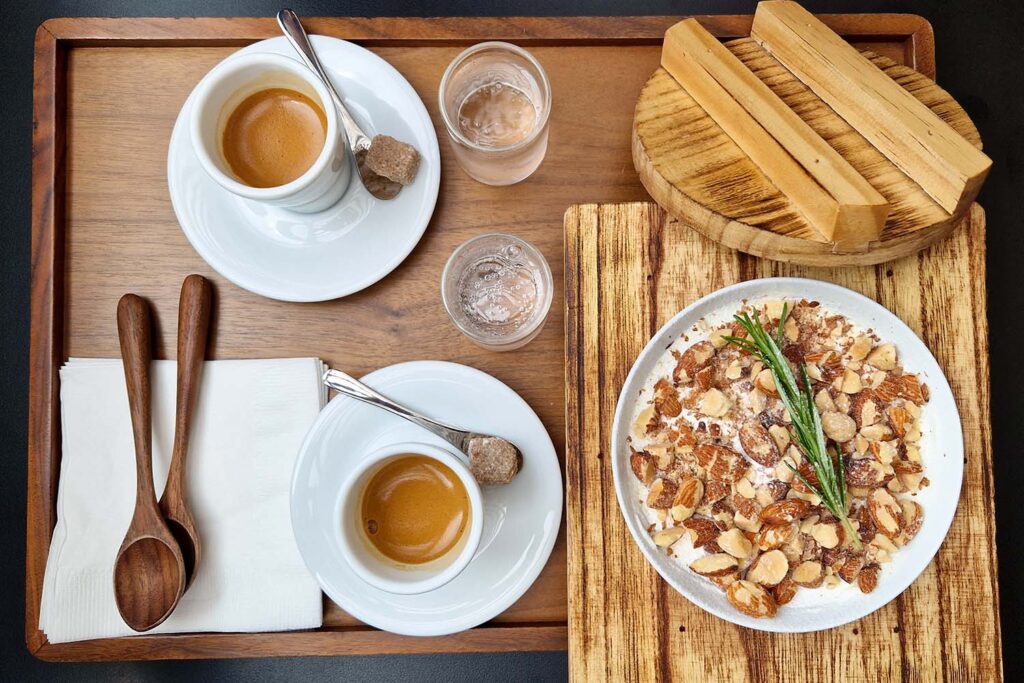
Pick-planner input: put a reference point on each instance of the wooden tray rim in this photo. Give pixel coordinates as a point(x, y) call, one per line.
point(53, 40)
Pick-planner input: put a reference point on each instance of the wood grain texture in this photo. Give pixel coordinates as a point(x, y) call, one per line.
point(625, 623)
point(786, 150)
point(692, 167)
point(149, 572)
point(195, 310)
point(926, 148)
point(103, 225)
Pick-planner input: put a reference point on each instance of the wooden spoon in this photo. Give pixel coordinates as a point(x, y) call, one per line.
point(194, 309)
point(149, 574)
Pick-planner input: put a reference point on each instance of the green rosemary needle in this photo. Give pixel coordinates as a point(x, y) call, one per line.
point(804, 416)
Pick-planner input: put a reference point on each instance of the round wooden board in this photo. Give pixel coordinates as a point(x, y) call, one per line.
point(699, 175)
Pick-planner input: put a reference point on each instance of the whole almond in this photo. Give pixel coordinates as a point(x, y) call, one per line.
point(885, 512)
point(751, 599)
point(772, 536)
point(758, 443)
point(806, 472)
point(785, 511)
point(867, 579)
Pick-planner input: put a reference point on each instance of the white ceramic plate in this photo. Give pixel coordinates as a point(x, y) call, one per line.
point(942, 453)
point(521, 519)
point(314, 257)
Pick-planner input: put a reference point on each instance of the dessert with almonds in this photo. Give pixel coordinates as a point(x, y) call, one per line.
point(725, 473)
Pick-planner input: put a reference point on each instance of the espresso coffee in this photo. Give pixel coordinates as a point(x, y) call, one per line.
point(273, 136)
point(414, 509)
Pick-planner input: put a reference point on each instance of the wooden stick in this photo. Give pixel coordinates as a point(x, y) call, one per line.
point(907, 132)
point(817, 207)
point(861, 210)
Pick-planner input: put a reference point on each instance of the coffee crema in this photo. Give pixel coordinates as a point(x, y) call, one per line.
point(414, 509)
point(273, 136)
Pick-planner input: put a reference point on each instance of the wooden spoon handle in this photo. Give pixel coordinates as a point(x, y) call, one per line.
point(194, 309)
point(134, 330)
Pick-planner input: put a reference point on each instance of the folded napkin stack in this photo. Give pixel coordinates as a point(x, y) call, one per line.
point(249, 423)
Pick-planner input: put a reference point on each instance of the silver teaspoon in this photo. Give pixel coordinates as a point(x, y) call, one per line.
point(492, 460)
point(358, 141)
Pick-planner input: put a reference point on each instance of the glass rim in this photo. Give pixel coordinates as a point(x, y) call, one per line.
point(539, 317)
point(453, 130)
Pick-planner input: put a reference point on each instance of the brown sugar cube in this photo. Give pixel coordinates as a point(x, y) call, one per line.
point(393, 159)
point(492, 460)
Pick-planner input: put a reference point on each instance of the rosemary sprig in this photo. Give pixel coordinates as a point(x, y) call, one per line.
point(805, 419)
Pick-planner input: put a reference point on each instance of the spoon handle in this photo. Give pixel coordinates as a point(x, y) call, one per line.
point(134, 331)
point(291, 25)
point(345, 384)
point(194, 309)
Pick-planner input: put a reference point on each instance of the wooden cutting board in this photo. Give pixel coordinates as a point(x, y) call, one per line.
point(629, 268)
point(696, 172)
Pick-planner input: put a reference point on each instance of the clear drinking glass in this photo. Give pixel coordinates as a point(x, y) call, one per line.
point(495, 100)
point(497, 290)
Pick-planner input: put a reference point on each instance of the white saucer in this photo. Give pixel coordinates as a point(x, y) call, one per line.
point(521, 519)
point(314, 257)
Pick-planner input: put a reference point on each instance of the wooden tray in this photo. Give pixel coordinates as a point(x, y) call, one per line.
point(625, 623)
point(107, 92)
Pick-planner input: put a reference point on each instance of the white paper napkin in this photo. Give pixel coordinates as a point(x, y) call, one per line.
point(249, 423)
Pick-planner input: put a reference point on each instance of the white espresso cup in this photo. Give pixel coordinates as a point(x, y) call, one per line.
point(387, 574)
point(225, 87)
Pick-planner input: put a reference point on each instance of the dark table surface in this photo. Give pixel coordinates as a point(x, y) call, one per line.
point(979, 48)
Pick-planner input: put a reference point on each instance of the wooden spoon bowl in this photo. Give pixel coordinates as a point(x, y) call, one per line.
point(145, 597)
